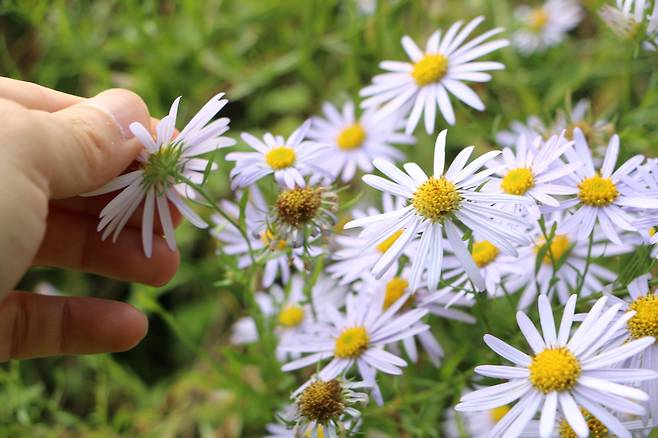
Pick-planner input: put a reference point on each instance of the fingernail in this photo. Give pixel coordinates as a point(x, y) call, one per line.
point(123, 107)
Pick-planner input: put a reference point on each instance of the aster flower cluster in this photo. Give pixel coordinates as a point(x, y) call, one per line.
point(356, 292)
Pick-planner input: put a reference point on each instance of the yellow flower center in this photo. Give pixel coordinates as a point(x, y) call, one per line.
point(559, 245)
point(517, 181)
point(652, 231)
point(498, 413)
point(268, 239)
point(597, 191)
point(322, 401)
point(390, 240)
point(319, 429)
point(645, 320)
point(484, 252)
point(291, 316)
point(280, 157)
point(596, 428)
point(395, 288)
point(538, 19)
point(436, 198)
point(584, 126)
point(554, 369)
point(430, 69)
point(296, 207)
point(352, 342)
point(351, 137)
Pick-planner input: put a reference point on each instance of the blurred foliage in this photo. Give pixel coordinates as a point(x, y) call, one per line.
point(277, 60)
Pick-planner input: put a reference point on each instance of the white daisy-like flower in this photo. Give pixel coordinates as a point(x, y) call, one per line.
point(645, 182)
point(565, 372)
point(603, 196)
point(597, 132)
point(280, 258)
point(291, 311)
point(164, 161)
point(327, 408)
point(389, 289)
point(424, 83)
point(630, 17)
point(473, 424)
point(546, 25)
point(531, 128)
point(355, 143)
point(357, 337)
point(437, 203)
point(564, 264)
point(533, 171)
point(352, 260)
point(289, 160)
point(644, 302)
point(495, 268)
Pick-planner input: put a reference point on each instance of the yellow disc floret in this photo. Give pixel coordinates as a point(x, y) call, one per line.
point(517, 181)
point(554, 369)
point(322, 401)
point(296, 207)
point(291, 316)
point(268, 239)
point(280, 157)
point(389, 241)
point(432, 68)
point(351, 137)
point(436, 198)
point(645, 320)
point(395, 288)
point(484, 252)
point(559, 245)
point(537, 20)
point(498, 413)
point(596, 428)
point(597, 191)
point(352, 342)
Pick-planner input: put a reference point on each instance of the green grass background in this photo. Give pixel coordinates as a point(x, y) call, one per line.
point(277, 60)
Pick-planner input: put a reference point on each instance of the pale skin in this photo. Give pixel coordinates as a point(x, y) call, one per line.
point(54, 147)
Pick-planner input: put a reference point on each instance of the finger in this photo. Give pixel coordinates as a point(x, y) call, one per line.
point(93, 205)
point(79, 148)
point(33, 325)
point(71, 241)
point(36, 97)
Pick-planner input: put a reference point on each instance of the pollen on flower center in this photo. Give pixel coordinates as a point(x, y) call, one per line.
point(554, 369)
point(296, 207)
point(291, 316)
point(538, 19)
point(596, 428)
point(162, 167)
point(559, 245)
point(645, 320)
point(432, 68)
point(498, 413)
point(395, 288)
point(436, 198)
point(352, 342)
point(597, 191)
point(484, 252)
point(517, 181)
point(389, 241)
point(280, 157)
point(351, 137)
point(268, 239)
point(322, 401)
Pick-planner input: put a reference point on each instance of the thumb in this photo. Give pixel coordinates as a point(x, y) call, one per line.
point(79, 148)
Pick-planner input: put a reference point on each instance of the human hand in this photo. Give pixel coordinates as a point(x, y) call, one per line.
point(56, 146)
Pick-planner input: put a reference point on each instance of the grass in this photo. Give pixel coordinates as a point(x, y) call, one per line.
point(277, 60)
